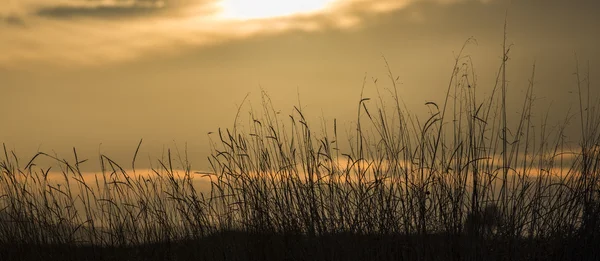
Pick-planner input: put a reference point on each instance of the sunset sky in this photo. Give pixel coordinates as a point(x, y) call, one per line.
point(99, 75)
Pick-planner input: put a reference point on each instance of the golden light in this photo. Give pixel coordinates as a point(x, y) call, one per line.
point(261, 9)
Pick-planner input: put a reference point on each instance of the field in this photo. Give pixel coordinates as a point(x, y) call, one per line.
point(463, 184)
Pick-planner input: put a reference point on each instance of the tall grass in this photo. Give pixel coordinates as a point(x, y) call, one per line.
point(465, 183)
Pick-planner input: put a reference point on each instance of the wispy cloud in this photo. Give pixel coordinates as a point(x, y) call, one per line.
point(88, 32)
point(12, 20)
point(102, 8)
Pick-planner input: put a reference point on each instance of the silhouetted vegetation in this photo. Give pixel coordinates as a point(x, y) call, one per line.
point(463, 184)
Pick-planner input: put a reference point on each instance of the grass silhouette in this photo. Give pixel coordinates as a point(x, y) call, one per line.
point(460, 185)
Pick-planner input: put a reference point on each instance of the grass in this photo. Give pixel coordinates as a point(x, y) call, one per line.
point(462, 184)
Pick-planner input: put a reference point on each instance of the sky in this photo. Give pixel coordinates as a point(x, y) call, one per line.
point(99, 75)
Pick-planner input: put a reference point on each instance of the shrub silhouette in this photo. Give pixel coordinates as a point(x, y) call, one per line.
point(485, 222)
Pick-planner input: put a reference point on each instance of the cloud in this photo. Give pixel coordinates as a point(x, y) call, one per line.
point(12, 20)
point(102, 9)
point(93, 32)
point(60, 9)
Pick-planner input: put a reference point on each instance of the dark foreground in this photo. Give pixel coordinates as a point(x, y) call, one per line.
point(260, 246)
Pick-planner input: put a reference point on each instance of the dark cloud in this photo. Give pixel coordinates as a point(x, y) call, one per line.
point(118, 9)
point(12, 20)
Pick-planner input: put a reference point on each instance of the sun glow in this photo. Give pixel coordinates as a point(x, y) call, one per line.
point(261, 9)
